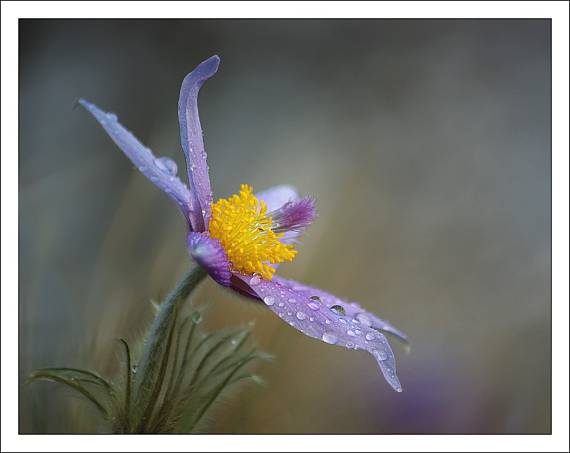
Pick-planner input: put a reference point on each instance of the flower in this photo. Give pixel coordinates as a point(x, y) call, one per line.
point(240, 241)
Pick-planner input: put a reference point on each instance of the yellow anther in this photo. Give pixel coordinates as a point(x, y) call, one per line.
point(241, 225)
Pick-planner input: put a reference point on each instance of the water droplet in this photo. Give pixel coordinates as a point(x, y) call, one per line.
point(358, 332)
point(315, 298)
point(337, 309)
point(342, 320)
point(370, 336)
point(166, 165)
point(134, 369)
point(255, 280)
point(380, 355)
point(204, 155)
point(197, 318)
point(350, 333)
point(289, 313)
point(280, 304)
point(311, 319)
point(364, 319)
point(269, 300)
point(292, 301)
point(142, 168)
point(329, 338)
point(350, 345)
point(327, 321)
point(112, 117)
point(301, 315)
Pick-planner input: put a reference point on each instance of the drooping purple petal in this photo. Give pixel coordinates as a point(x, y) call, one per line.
point(312, 317)
point(161, 171)
point(209, 254)
point(193, 142)
point(350, 309)
point(294, 216)
point(277, 196)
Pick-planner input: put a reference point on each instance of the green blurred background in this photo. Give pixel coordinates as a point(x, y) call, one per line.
point(427, 146)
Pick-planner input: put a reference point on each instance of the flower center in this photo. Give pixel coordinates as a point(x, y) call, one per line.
point(247, 235)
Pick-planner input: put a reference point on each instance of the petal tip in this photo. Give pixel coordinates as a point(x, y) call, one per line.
point(209, 66)
point(209, 254)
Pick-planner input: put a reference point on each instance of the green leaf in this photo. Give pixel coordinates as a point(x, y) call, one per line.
point(71, 377)
point(154, 358)
point(128, 385)
point(213, 395)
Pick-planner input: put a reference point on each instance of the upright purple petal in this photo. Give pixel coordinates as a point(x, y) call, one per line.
point(277, 196)
point(351, 309)
point(294, 216)
point(209, 254)
point(311, 316)
point(161, 171)
point(193, 142)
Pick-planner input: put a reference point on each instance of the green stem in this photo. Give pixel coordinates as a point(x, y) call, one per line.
point(156, 349)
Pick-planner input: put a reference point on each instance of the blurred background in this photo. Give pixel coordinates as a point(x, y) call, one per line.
point(427, 146)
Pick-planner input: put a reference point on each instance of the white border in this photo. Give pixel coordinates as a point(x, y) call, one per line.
point(11, 11)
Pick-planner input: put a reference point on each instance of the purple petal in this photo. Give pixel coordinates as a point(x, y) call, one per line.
point(312, 317)
point(351, 309)
point(161, 171)
point(277, 196)
point(209, 254)
point(294, 216)
point(193, 143)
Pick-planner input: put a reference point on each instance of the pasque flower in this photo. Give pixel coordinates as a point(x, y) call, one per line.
point(241, 240)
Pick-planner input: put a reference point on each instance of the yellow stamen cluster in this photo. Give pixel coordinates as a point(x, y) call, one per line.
point(241, 225)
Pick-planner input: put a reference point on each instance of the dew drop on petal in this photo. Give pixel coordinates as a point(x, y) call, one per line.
point(255, 280)
point(292, 301)
point(358, 332)
point(311, 319)
point(380, 355)
point(370, 336)
point(315, 298)
point(280, 304)
point(350, 333)
point(300, 315)
point(269, 300)
point(337, 309)
point(166, 165)
point(327, 321)
point(329, 338)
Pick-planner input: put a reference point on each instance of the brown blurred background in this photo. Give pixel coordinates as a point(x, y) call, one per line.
point(427, 146)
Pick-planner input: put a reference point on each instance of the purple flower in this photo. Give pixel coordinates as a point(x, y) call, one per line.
point(240, 241)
